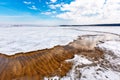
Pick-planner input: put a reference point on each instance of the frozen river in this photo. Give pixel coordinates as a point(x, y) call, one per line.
point(23, 39)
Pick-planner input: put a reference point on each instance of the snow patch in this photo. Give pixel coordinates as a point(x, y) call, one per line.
point(112, 54)
point(98, 73)
point(78, 59)
point(113, 46)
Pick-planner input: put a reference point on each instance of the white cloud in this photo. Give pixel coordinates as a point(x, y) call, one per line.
point(49, 12)
point(54, 6)
point(26, 2)
point(33, 7)
point(46, 13)
point(47, 3)
point(91, 11)
point(53, 1)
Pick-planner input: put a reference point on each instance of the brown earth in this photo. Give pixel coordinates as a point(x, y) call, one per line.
point(36, 65)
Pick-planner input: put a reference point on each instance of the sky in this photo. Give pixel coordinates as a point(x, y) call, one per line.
point(57, 12)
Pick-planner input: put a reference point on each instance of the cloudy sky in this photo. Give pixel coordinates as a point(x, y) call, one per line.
point(59, 11)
